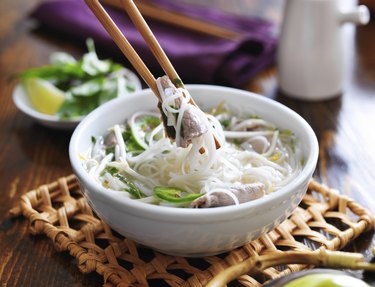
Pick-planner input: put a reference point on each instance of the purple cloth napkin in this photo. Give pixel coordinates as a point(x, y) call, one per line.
point(198, 58)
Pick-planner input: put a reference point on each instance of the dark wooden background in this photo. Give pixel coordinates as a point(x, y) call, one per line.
point(31, 155)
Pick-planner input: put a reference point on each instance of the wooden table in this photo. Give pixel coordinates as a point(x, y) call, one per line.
point(31, 155)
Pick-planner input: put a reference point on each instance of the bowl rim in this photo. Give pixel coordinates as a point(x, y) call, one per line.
point(147, 210)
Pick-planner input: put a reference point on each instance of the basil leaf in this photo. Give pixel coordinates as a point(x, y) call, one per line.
point(110, 90)
point(77, 106)
point(89, 88)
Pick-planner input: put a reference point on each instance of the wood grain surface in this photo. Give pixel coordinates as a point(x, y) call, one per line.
point(31, 154)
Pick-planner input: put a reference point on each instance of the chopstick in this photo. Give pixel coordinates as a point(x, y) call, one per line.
point(129, 51)
point(174, 18)
point(141, 25)
point(123, 45)
point(151, 41)
point(127, 48)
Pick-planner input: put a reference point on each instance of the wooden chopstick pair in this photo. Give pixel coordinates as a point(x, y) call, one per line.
point(129, 51)
point(149, 10)
point(127, 48)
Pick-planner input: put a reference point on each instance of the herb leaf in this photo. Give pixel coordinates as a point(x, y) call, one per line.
point(174, 195)
point(131, 187)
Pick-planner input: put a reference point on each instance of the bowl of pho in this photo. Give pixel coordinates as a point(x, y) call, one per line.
point(235, 168)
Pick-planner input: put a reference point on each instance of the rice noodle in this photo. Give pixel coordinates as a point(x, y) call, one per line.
point(275, 162)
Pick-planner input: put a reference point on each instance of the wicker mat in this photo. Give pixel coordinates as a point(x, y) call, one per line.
point(58, 210)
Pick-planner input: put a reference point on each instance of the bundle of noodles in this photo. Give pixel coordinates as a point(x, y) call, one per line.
point(254, 159)
point(183, 121)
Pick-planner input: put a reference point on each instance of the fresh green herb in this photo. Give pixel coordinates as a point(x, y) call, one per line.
point(225, 122)
point(88, 88)
point(76, 106)
point(131, 187)
point(174, 195)
point(237, 142)
point(109, 150)
point(111, 170)
point(87, 83)
point(54, 73)
point(93, 140)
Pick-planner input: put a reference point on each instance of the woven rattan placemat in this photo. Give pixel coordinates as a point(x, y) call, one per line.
point(324, 219)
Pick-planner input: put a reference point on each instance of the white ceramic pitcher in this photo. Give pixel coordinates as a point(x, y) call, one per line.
point(310, 53)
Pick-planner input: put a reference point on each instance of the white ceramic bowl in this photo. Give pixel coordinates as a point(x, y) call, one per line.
point(22, 102)
point(193, 232)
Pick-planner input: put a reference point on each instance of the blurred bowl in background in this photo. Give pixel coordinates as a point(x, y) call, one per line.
point(22, 102)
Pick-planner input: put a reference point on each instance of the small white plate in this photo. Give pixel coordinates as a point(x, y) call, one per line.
point(23, 103)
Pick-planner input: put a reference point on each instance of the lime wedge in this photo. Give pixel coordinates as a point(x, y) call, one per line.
point(326, 280)
point(43, 95)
